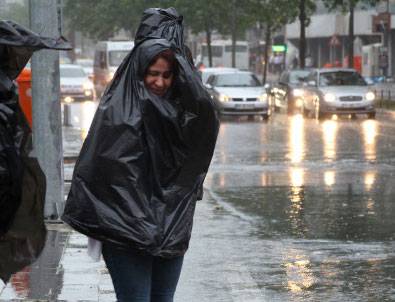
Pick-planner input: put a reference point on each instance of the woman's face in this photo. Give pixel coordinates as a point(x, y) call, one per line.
point(159, 77)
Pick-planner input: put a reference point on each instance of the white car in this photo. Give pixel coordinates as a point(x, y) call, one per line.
point(75, 84)
point(208, 71)
point(87, 65)
point(238, 93)
point(340, 91)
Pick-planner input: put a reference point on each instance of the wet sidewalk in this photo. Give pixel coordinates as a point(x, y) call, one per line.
point(64, 271)
point(213, 267)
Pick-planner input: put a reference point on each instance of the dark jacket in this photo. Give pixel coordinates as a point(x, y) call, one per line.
point(22, 182)
point(145, 158)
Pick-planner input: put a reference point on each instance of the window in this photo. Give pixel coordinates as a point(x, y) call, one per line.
point(296, 77)
point(341, 78)
point(239, 48)
point(216, 51)
point(237, 80)
point(116, 57)
point(312, 77)
point(66, 72)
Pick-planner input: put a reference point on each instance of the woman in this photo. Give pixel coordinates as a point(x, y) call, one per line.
point(142, 166)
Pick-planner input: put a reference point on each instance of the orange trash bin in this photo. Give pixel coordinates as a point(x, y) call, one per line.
point(24, 81)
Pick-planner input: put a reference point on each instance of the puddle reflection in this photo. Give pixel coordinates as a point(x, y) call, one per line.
point(329, 137)
point(329, 178)
point(222, 147)
point(296, 177)
point(298, 270)
point(44, 278)
point(369, 179)
point(297, 139)
point(370, 131)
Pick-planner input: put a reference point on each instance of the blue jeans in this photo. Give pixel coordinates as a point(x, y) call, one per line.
point(142, 278)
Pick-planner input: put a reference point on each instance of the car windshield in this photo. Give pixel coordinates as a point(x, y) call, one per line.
point(297, 76)
point(341, 78)
point(116, 57)
point(237, 80)
point(85, 63)
point(66, 72)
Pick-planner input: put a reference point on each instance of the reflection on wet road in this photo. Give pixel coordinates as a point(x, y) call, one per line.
point(320, 199)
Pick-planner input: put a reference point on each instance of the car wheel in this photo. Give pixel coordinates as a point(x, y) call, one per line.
point(371, 115)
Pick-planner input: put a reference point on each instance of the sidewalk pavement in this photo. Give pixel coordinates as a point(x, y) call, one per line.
point(214, 267)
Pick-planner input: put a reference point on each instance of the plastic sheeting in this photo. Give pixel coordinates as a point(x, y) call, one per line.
point(143, 163)
point(22, 182)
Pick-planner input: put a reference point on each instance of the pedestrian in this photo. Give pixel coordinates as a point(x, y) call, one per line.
point(22, 181)
point(143, 163)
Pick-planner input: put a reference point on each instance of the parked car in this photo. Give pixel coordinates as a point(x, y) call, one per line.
point(287, 93)
point(207, 72)
point(75, 84)
point(87, 66)
point(238, 93)
point(337, 91)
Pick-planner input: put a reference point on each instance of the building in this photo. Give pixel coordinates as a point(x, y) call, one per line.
point(327, 34)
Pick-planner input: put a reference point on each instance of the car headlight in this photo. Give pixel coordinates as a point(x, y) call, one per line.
point(223, 97)
point(329, 97)
point(68, 99)
point(370, 96)
point(297, 92)
point(87, 85)
point(262, 97)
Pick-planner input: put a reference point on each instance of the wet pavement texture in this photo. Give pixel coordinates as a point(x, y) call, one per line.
point(294, 210)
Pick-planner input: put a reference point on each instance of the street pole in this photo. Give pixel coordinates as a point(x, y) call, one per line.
point(47, 130)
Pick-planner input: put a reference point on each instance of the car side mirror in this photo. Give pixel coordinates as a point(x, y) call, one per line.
point(208, 86)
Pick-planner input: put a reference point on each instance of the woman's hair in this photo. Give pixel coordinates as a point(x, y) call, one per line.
point(169, 56)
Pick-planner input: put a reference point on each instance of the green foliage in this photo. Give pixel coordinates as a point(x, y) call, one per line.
point(16, 12)
point(273, 13)
point(202, 15)
point(101, 19)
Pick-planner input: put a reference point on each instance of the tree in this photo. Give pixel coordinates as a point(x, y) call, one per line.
point(16, 12)
point(234, 20)
point(305, 8)
point(272, 14)
point(101, 19)
point(202, 16)
point(349, 6)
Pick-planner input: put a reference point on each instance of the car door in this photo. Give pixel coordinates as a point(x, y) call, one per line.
point(279, 90)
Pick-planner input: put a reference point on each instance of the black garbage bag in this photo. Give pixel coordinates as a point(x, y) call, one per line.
point(143, 163)
point(22, 182)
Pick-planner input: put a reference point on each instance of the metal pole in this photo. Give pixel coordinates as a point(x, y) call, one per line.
point(47, 130)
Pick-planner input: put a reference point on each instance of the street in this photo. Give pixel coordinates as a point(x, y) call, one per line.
point(314, 202)
point(294, 210)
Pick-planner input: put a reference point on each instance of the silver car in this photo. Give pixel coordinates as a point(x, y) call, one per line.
point(75, 84)
point(205, 73)
point(238, 93)
point(340, 91)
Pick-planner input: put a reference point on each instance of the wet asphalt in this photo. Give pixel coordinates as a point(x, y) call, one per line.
point(294, 210)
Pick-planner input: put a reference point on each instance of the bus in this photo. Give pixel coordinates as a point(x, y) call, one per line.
point(221, 51)
point(108, 56)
